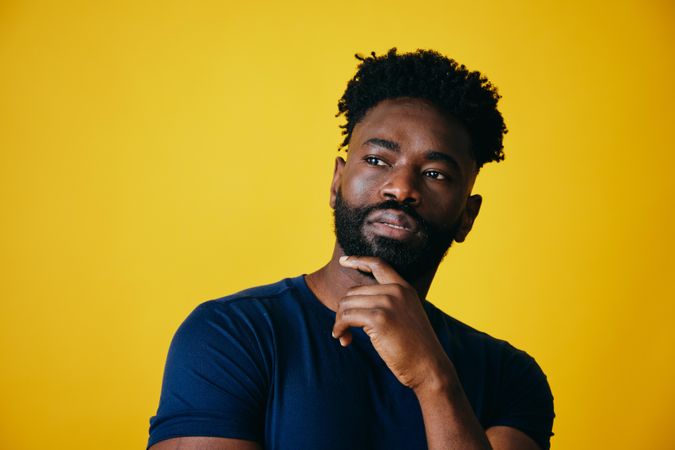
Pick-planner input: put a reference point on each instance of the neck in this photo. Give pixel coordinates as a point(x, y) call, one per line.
point(331, 282)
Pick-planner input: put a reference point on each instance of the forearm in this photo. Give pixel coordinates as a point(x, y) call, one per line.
point(449, 420)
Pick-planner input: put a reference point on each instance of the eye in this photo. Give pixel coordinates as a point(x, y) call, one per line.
point(374, 161)
point(435, 174)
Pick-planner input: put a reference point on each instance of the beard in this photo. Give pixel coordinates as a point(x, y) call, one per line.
point(410, 258)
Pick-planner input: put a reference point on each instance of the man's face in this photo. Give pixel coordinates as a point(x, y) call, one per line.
point(404, 192)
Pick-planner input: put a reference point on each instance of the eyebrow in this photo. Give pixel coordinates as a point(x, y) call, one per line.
point(431, 155)
point(444, 157)
point(389, 145)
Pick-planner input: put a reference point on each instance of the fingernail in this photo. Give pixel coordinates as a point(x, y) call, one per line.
point(344, 258)
point(332, 333)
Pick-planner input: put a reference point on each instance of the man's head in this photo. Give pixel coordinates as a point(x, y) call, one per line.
point(419, 127)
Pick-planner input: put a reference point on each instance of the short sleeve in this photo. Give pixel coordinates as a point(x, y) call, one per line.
point(525, 399)
point(216, 377)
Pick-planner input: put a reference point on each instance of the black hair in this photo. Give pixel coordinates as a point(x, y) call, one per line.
point(466, 95)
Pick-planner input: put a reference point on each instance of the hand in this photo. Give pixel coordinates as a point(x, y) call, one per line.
point(393, 316)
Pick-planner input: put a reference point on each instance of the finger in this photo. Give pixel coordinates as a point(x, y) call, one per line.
point(353, 302)
point(345, 339)
point(393, 290)
point(366, 318)
point(383, 272)
point(381, 300)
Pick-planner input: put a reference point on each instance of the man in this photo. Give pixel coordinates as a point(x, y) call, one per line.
point(352, 356)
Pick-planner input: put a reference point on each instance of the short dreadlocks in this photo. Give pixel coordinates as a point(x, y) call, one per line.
point(467, 96)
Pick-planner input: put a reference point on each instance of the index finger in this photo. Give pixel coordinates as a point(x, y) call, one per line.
point(383, 272)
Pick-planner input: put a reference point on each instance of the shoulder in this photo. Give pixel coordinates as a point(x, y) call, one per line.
point(467, 338)
point(247, 318)
point(252, 303)
point(238, 330)
point(476, 352)
point(220, 365)
point(255, 296)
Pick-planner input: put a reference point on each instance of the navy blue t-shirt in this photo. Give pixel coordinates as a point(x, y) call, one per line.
point(261, 365)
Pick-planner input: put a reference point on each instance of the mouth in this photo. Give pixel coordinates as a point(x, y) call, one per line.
point(393, 224)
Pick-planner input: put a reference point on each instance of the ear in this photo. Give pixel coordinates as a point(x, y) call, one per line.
point(468, 216)
point(337, 176)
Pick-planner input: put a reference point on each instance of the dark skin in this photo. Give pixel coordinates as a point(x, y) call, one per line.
point(405, 150)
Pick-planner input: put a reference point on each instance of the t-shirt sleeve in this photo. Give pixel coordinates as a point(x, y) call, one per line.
point(526, 401)
point(216, 378)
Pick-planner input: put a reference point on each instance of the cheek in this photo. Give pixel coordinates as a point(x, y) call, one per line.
point(359, 188)
point(442, 213)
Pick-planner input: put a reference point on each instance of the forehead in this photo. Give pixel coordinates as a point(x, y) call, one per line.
point(415, 124)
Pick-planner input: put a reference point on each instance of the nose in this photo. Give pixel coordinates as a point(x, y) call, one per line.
point(401, 185)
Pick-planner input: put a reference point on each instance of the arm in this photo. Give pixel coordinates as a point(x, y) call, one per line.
point(205, 443)
point(392, 315)
point(508, 438)
point(449, 420)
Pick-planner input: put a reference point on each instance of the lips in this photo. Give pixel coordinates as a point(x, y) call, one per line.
point(396, 220)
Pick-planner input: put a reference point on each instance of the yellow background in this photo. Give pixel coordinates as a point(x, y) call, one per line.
point(159, 154)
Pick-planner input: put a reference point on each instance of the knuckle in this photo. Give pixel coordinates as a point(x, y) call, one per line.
point(379, 316)
point(388, 301)
point(399, 289)
point(343, 303)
